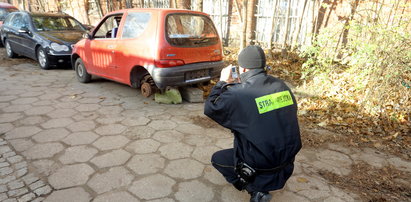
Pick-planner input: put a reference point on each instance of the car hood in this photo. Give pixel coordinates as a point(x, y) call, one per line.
point(63, 36)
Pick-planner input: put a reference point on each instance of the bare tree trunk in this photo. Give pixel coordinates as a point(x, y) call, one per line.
point(129, 3)
point(297, 33)
point(238, 11)
point(395, 13)
point(86, 7)
point(99, 9)
point(41, 6)
point(29, 5)
point(220, 4)
point(354, 7)
point(243, 40)
point(287, 26)
point(402, 13)
point(109, 5)
point(273, 23)
point(58, 5)
point(22, 5)
point(183, 4)
point(251, 21)
point(199, 5)
point(230, 12)
point(379, 11)
point(313, 21)
point(320, 16)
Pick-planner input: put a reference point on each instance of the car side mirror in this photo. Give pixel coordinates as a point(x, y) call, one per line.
point(86, 36)
point(24, 30)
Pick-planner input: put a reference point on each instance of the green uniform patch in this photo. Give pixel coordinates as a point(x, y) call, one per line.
point(274, 101)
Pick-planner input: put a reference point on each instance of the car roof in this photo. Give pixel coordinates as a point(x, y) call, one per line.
point(159, 10)
point(49, 14)
point(6, 5)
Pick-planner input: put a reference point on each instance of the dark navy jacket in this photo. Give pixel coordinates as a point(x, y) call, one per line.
point(261, 112)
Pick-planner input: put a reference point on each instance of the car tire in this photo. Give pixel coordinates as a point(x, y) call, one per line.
point(81, 72)
point(147, 89)
point(9, 51)
point(42, 58)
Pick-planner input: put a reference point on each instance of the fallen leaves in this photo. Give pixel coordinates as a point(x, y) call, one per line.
point(385, 184)
point(335, 103)
point(302, 180)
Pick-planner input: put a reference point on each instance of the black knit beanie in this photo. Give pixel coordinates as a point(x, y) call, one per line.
point(252, 57)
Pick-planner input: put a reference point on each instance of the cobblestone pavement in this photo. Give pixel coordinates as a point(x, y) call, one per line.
point(65, 141)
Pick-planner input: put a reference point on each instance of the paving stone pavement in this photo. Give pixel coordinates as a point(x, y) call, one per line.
point(61, 140)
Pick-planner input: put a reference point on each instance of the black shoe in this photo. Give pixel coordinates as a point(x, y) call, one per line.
point(260, 197)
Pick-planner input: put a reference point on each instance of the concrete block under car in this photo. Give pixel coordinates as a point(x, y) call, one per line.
point(192, 94)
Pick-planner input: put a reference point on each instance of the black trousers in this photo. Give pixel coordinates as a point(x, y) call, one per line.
point(223, 161)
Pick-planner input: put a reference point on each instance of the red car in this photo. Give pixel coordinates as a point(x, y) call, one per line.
point(150, 48)
point(5, 9)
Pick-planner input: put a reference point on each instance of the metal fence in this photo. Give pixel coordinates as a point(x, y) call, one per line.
point(271, 21)
point(218, 11)
point(156, 3)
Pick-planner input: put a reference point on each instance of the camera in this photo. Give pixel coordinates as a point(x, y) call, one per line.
point(246, 175)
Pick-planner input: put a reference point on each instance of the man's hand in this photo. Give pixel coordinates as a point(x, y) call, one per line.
point(226, 75)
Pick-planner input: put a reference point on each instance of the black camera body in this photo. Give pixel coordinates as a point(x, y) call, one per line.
point(246, 175)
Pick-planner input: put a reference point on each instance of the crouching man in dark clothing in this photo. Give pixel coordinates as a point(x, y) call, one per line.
point(261, 112)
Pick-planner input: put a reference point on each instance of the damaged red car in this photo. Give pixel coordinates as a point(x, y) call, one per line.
point(150, 49)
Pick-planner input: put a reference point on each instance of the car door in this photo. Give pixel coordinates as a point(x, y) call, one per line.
point(132, 36)
point(12, 32)
point(27, 41)
point(102, 47)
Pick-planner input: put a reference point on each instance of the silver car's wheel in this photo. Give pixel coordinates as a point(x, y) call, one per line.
point(82, 75)
point(9, 51)
point(80, 70)
point(42, 58)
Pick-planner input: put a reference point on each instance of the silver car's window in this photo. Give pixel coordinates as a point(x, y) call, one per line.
point(47, 23)
point(18, 21)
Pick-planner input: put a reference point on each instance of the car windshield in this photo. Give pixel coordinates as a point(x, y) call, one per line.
point(5, 11)
point(188, 30)
point(49, 23)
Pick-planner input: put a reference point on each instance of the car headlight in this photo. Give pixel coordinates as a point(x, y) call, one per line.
point(59, 47)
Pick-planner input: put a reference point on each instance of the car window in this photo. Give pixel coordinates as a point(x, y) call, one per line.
point(189, 30)
point(8, 19)
point(18, 21)
point(5, 11)
point(105, 29)
point(135, 24)
point(47, 23)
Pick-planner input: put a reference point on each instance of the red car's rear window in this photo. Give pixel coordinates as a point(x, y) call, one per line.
point(190, 30)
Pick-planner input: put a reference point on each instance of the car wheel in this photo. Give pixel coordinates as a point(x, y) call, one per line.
point(42, 58)
point(81, 72)
point(147, 90)
point(9, 51)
